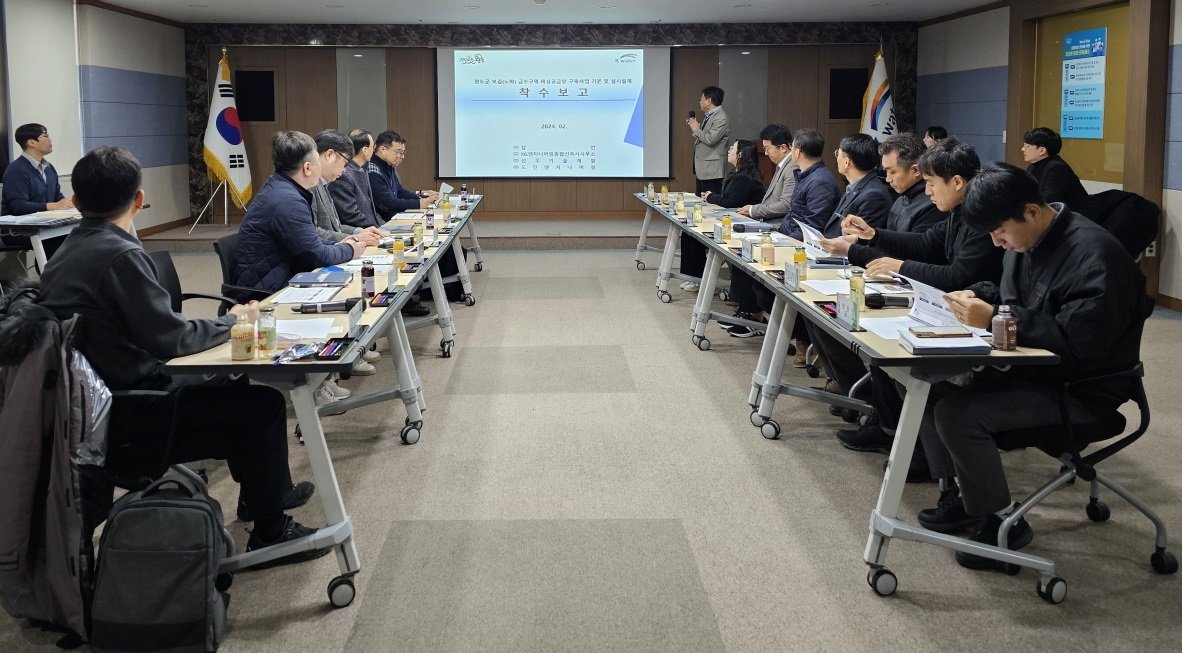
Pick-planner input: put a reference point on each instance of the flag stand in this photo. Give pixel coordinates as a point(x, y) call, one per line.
point(225, 205)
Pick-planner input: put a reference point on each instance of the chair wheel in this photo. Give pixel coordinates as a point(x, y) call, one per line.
point(665, 297)
point(1097, 510)
point(813, 371)
point(1053, 591)
point(410, 433)
point(341, 591)
point(469, 300)
point(1164, 562)
point(224, 581)
point(640, 265)
point(704, 343)
point(480, 267)
point(724, 295)
point(882, 581)
point(299, 435)
point(770, 429)
point(791, 350)
point(850, 416)
point(445, 348)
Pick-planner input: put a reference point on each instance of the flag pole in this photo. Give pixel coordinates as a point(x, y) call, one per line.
point(212, 195)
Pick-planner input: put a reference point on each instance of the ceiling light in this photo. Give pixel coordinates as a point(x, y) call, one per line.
point(361, 55)
point(607, 6)
point(540, 2)
point(472, 7)
point(742, 6)
point(314, 42)
point(745, 52)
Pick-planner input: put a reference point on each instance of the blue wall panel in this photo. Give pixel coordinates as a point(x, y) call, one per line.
point(970, 104)
point(144, 112)
point(1174, 122)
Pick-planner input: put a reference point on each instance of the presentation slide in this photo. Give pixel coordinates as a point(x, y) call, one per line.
point(554, 113)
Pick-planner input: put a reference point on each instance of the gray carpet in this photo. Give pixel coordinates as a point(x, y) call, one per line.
point(588, 480)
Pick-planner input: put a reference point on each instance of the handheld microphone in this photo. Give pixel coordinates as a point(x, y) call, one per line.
point(879, 300)
point(330, 307)
point(739, 227)
point(693, 114)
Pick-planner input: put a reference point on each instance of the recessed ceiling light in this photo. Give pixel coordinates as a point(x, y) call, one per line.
point(721, 44)
point(361, 55)
point(314, 42)
point(745, 52)
point(607, 6)
point(472, 7)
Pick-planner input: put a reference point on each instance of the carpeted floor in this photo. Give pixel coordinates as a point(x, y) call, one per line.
point(588, 480)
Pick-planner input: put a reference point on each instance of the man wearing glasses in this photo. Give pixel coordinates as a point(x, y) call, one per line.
point(777, 141)
point(389, 196)
point(31, 184)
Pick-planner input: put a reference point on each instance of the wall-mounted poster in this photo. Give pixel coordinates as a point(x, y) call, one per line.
point(1084, 56)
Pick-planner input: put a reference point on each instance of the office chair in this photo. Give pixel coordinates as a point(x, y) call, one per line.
point(167, 276)
point(1067, 443)
point(227, 251)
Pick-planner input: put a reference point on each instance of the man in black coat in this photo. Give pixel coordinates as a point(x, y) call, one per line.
point(1075, 292)
point(1056, 180)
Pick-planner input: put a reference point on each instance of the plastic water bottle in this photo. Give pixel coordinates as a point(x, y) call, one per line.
point(1005, 329)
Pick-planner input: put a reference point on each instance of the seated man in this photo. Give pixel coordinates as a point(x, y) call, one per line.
point(31, 183)
point(1074, 291)
point(389, 195)
point(813, 200)
point(351, 191)
point(949, 256)
point(278, 236)
point(912, 211)
point(777, 143)
point(1056, 180)
point(128, 329)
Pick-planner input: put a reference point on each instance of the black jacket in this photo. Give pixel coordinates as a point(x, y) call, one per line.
point(353, 198)
point(1059, 183)
point(914, 211)
point(738, 190)
point(869, 199)
point(1078, 294)
point(128, 327)
point(949, 256)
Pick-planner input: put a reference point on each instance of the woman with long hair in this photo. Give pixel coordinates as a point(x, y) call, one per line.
point(741, 187)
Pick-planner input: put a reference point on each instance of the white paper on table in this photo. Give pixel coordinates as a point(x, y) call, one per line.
point(305, 295)
point(444, 189)
point(887, 327)
point(828, 286)
point(316, 328)
point(812, 241)
point(380, 259)
point(930, 309)
point(888, 288)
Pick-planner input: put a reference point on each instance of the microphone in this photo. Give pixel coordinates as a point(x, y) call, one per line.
point(330, 307)
point(879, 300)
point(693, 114)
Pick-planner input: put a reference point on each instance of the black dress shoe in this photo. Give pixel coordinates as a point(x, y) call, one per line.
point(297, 496)
point(948, 516)
point(870, 437)
point(415, 309)
point(1020, 535)
point(292, 530)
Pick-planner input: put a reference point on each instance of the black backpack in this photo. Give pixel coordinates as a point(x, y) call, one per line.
point(157, 585)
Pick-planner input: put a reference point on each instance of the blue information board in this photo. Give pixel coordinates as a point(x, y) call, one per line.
point(1084, 57)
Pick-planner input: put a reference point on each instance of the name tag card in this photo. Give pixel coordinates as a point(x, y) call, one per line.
point(847, 312)
point(792, 277)
point(747, 250)
point(718, 232)
point(355, 319)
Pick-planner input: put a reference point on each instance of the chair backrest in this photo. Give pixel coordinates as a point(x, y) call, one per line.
point(227, 250)
point(167, 276)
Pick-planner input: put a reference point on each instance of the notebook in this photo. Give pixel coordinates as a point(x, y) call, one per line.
point(321, 278)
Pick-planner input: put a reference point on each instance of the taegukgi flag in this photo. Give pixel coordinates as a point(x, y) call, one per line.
point(225, 153)
point(878, 106)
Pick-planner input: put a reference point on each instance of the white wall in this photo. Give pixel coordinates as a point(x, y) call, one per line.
point(40, 38)
point(977, 41)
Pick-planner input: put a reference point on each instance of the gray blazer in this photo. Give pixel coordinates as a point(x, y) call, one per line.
point(778, 198)
point(710, 143)
point(328, 225)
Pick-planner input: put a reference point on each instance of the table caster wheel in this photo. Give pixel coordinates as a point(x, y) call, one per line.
point(410, 433)
point(704, 344)
point(724, 295)
point(1164, 562)
point(770, 429)
point(640, 265)
point(756, 420)
point(445, 348)
point(469, 300)
point(1097, 510)
point(341, 591)
point(882, 581)
point(813, 371)
point(1053, 591)
point(479, 267)
point(664, 296)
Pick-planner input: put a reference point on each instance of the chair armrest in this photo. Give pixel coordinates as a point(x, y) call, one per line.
point(1136, 371)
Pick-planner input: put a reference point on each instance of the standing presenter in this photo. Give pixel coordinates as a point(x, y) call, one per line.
point(710, 141)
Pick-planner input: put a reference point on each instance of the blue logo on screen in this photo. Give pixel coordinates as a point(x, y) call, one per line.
point(626, 58)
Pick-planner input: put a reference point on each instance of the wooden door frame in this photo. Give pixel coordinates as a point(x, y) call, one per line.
point(1148, 75)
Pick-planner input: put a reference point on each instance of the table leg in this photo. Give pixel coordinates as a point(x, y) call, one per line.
point(701, 314)
point(323, 473)
point(665, 270)
point(471, 227)
point(895, 479)
point(442, 309)
point(770, 390)
point(641, 245)
point(465, 280)
point(39, 252)
point(770, 339)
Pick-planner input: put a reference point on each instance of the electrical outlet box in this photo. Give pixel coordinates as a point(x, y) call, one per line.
point(1152, 249)
point(1003, 137)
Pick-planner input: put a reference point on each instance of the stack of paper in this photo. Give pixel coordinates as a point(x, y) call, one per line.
point(929, 310)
